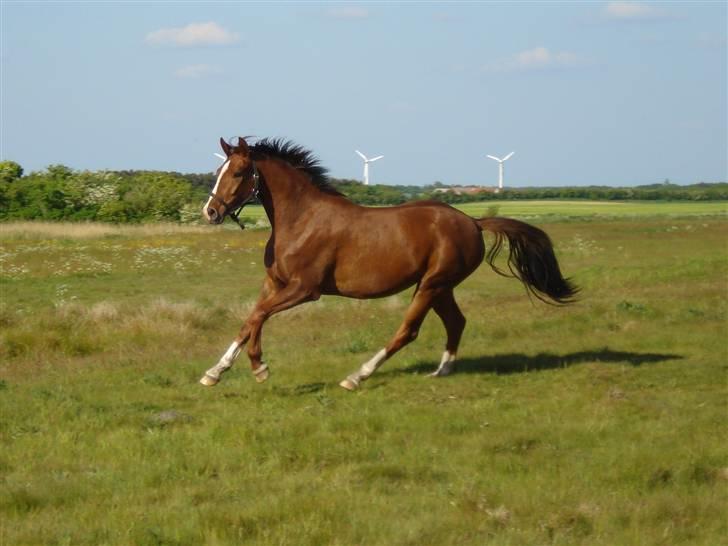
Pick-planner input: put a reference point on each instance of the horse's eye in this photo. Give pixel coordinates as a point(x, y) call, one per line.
point(237, 174)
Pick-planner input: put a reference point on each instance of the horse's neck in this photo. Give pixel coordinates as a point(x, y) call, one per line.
point(287, 193)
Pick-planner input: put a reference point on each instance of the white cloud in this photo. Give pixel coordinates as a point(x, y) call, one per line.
point(348, 12)
point(193, 34)
point(538, 58)
point(632, 11)
point(195, 71)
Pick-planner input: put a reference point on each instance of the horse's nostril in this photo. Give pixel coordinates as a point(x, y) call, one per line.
point(212, 213)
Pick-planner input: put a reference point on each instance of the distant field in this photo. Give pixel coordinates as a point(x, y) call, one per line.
point(556, 209)
point(597, 209)
point(599, 424)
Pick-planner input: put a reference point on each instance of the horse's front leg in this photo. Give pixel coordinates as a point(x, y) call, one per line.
point(276, 301)
point(212, 376)
point(289, 296)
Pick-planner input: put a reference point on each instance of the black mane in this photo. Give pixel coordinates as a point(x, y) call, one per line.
point(298, 157)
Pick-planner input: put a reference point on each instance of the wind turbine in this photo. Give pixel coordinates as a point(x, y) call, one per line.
point(366, 165)
point(500, 168)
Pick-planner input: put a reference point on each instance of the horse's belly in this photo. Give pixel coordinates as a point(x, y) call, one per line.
point(364, 278)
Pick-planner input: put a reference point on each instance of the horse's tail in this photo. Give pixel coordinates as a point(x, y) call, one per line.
point(531, 258)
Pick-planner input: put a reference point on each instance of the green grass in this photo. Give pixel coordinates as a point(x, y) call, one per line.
point(602, 423)
point(555, 209)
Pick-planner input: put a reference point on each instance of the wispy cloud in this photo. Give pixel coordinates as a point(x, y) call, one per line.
point(538, 58)
point(195, 71)
point(194, 34)
point(632, 11)
point(347, 12)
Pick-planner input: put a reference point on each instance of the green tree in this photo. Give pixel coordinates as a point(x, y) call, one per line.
point(10, 171)
point(59, 172)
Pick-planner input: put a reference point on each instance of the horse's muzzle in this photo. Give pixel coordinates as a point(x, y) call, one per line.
point(213, 217)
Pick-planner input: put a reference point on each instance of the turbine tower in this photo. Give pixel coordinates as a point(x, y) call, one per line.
point(500, 168)
point(366, 165)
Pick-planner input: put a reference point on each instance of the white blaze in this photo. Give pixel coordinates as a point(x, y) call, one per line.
point(214, 190)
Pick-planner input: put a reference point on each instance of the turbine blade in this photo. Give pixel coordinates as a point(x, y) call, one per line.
point(493, 157)
point(220, 156)
point(508, 156)
point(375, 158)
point(361, 155)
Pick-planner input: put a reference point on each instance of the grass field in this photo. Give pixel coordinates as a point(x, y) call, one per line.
point(602, 423)
point(558, 210)
point(595, 210)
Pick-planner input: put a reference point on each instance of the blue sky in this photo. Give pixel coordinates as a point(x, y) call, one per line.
point(615, 93)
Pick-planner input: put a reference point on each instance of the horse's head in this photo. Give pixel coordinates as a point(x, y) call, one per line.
point(237, 184)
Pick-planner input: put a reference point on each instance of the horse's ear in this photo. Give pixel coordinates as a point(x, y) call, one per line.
point(226, 147)
point(242, 146)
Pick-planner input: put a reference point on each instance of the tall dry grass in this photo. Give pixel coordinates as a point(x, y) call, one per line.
point(95, 230)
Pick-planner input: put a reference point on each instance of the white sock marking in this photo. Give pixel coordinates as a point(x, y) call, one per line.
point(369, 367)
point(232, 353)
point(447, 364)
point(225, 362)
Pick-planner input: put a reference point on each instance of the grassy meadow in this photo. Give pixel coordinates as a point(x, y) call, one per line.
point(565, 210)
point(601, 423)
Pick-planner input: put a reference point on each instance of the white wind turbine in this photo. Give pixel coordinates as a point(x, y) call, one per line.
point(500, 168)
point(366, 165)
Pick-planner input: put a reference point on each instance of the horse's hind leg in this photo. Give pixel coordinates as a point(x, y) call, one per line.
point(407, 332)
point(447, 309)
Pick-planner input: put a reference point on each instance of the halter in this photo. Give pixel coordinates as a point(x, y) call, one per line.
point(252, 196)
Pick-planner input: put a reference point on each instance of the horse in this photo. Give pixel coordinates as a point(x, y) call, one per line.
point(321, 243)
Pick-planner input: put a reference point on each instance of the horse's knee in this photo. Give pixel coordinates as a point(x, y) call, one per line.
point(244, 334)
point(255, 318)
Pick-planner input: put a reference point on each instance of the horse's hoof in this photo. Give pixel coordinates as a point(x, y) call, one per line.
point(209, 381)
point(261, 374)
point(442, 372)
point(349, 384)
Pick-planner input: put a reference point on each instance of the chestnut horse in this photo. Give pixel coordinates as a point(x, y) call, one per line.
point(323, 244)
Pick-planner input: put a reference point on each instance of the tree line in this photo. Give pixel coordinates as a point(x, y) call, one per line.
point(61, 193)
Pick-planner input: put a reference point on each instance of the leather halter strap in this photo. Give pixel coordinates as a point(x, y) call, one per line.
point(252, 196)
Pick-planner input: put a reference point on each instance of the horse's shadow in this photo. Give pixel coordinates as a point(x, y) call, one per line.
point(509, 363)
